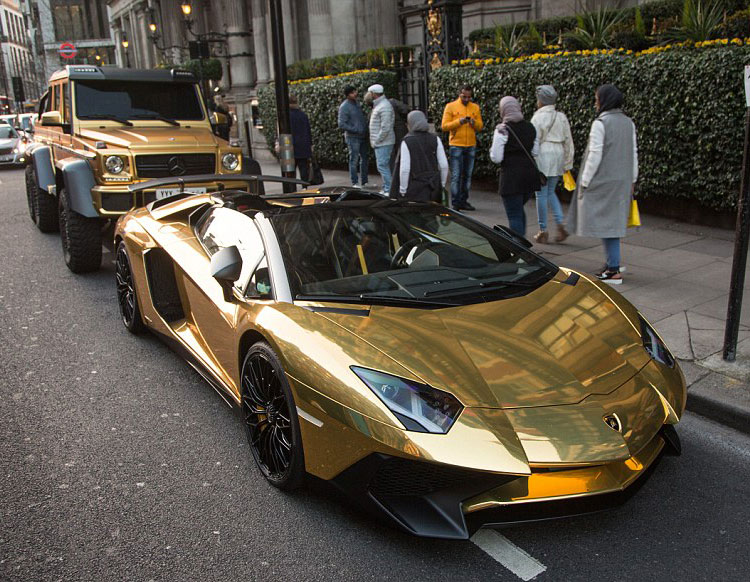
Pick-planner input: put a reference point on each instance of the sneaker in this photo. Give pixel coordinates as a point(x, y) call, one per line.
point(356, 186)
point(542, 237)
point(562, 234)
point(467, 206)
point(610, 276)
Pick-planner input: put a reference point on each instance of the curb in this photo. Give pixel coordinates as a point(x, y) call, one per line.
point(728, 414)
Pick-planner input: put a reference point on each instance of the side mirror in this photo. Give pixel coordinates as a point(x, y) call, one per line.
point(512, 235)
point(218, 118)
point(226, 266)
point(51, 119)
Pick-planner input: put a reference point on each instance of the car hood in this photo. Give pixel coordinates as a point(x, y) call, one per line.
point(153, 137)
point(555, 346)
point(6, 143)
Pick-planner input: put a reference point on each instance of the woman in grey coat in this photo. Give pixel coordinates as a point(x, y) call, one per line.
point(606, 183)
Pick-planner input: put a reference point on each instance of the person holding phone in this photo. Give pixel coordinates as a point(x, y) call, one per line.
point(463, 120)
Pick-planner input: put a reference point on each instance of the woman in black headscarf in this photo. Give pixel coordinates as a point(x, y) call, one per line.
point(605, 187)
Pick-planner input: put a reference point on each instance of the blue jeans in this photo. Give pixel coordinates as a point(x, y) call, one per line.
point(516, 215)
point(462, 167)
point(612, 250)
point(547, 197)
point(359, 152)
point(383, 159)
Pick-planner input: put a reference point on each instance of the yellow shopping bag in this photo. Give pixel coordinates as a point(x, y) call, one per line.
point(634, 218)
point(569, 182)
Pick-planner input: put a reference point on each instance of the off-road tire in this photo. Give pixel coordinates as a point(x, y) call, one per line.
point(42, 206)
point(81, 238)
point(271, 420)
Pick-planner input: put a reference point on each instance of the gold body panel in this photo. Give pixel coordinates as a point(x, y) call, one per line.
point(536, 374)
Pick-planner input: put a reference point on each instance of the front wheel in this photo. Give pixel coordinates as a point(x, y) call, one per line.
point(81, 238)
point(127, 296)
point(271, 418)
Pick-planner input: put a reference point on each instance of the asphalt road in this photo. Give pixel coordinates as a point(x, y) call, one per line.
point(118, 462)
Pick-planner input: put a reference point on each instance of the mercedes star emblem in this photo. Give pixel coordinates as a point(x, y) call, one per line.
point(176, 166)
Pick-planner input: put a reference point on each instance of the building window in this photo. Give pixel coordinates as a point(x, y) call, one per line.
point(78, 19)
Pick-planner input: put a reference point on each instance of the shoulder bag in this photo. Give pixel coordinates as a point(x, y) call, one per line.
point(542, 177)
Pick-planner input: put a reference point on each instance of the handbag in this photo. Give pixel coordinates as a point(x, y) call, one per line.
point(316, 174)
point(569, 182)
point(634, 218)
point(542, 177)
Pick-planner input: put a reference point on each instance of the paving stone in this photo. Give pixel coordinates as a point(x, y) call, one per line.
point(692, 371)
point(659, 238)
point(663, 296)
point(710, 246)
point(717, 308)
point(739, 369)
point(654, 315)
point(675, 332)
point(672, 261)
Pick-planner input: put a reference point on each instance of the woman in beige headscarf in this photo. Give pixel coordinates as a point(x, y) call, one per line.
point(556, 153)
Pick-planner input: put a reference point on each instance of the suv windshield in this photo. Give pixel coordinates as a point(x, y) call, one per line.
point(401, 254)
point(7, 132)
point(136, 100)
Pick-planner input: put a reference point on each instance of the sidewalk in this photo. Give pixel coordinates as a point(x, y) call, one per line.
point(678, 277)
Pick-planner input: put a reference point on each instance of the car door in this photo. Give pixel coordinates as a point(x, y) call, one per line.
point(214, 318)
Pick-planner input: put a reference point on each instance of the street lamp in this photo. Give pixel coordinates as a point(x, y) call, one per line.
point(125, 45)
point(152, 27)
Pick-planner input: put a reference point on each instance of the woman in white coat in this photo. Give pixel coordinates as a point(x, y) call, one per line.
point(556, 153)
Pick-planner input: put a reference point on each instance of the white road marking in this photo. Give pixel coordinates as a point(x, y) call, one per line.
point(508, 554)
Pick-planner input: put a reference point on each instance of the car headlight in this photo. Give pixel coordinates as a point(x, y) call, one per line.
point(230, 161)
point(114, 164)
point(653, 344)
point(419, 407)
point(15, 150)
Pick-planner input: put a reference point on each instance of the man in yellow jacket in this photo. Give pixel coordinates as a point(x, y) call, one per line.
point(463, 120)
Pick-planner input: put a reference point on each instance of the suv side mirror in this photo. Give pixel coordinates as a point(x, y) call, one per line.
point(218, 118)
point(226, 266)
point(512, 235)
point(51, 119)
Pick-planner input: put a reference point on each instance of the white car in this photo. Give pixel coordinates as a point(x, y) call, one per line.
point(12, 146)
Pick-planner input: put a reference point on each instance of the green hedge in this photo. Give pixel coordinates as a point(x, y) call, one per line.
point(343, 63)
point(320, 100)
point(688, 106)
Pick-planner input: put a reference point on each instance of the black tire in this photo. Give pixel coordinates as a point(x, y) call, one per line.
point(127, 296)
point(42, 206)
point(271, 420)
point(81, 238)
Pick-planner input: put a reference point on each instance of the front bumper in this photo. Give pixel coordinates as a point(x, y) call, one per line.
point(447, 502)
point(13, 159)
point(113, 200)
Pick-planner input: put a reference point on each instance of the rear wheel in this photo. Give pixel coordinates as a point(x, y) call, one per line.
point(127, 296)
point(271, 418)
point(42, 206)
point(81, 238)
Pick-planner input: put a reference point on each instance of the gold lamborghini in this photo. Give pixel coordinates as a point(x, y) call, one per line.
point(433, 368)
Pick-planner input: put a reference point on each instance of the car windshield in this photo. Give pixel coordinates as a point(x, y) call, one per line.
point(136, 100)
point(389, 252)
point(7, 132)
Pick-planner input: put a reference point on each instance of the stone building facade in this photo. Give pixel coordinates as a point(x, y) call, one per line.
point(16, 57)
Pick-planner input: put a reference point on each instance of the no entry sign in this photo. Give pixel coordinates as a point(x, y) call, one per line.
point(67, 50)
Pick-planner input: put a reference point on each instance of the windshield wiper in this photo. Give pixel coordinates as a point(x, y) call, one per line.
point(370, 297)
point(482, 285)
point(108, 118)
point(158, 117)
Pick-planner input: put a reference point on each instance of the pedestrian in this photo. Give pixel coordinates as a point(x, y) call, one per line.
point(605, 188)
point(556, 151)
point(514, 147)
point(463, 120)
point(354, 123)
point(301, 138)
point(382, 138)
point(224, 123)
point(421, 168)
point(400, 113)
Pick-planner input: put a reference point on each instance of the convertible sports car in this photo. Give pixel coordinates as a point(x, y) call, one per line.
point(431, 367)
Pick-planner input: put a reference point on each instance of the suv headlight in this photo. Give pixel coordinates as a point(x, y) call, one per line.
point(653, 344)
point(230, 161)
point(114, 164)
point(419, 407)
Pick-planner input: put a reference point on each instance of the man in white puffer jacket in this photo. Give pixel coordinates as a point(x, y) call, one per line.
point(382, 137)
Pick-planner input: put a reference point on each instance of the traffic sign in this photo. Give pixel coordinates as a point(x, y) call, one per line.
point(68, 50)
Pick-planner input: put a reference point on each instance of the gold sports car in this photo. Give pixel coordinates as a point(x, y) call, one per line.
point(433, 368)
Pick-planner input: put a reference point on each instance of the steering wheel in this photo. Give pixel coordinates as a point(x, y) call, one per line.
point(399, 257)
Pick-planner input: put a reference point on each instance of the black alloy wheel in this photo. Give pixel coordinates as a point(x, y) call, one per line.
point(271, 418)
point(127, 297)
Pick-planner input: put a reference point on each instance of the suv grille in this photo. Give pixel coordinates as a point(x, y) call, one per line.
point(166, 165)
point(5, 151)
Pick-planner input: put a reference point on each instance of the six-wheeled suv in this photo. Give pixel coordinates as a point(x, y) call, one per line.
point(101, 129)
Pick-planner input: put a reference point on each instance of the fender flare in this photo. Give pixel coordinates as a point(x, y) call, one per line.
point(79, 180)
point(44, 167)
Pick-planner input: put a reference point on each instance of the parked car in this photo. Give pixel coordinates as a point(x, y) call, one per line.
point(12, 146)
point(101, 129)
point(435, 369)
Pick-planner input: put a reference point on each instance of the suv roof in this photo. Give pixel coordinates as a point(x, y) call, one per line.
point(83, 72)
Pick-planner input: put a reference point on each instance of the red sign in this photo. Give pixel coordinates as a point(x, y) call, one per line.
point(67, 50)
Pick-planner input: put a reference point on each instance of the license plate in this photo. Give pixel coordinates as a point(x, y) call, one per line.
point(5, 158)
point(167, 192)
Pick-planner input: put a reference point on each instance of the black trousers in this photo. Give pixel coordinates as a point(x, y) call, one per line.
point(303, 165)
